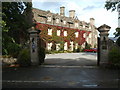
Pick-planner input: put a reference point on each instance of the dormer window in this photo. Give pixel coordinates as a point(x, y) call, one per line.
point(83, 26)
point(64, 22)
point(76, 24)
point(49, 19)
point(57, 20)
point(89, 27)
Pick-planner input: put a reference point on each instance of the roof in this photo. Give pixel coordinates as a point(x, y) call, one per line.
point(68, 19)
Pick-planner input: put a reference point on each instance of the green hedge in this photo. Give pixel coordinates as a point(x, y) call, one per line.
point(114, 57)
point(41, 54)
point(24, 57)
point(12, 49)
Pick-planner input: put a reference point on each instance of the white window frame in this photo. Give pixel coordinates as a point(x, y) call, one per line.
point(64, 22)
point(76, 25)
point(49, 31)
point(83, 26)
point(76, 45)
point(71, 45)
point(57, 20)
point(49, 19)
point(84, 35)
point(90, 35)
point(58, 46)
point(49, 46)
point(87, 39)
point(76, 34)
point(96, 36)
point(65, 33)
point(58, 32)
point(89, 27)
point(65, 46)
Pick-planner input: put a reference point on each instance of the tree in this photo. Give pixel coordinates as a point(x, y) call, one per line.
point(15, 19)
point(14, 25)
point(110, 4)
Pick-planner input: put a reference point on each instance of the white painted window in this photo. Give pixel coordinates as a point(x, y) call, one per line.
point(49, 46)
point(83, 26)
point(64, 22)
point(49, 31)
point(89, 27)
point(95, 36)
point(90, 41)
point(58, 32)
point(90, 35)
point(84, 35)
point(76, 24)
point(76, 34)
point(65, 46)
point(83, 45)
point(65, 33)
point(71, 46)
point(58, 46)
point(76, 46)
point(87, 39)
point(57, 20)
point(49, 19)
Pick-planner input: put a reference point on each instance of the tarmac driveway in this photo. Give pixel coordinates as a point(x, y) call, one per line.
point(71, 59)
point(68, 70)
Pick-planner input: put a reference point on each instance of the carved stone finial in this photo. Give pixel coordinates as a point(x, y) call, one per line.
point(104, 27)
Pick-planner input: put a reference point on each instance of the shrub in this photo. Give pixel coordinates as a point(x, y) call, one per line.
point(41, 54)
point(78, 49)
point(24, 57)
point(13, 49)
point(114, 57)
point(87, 46)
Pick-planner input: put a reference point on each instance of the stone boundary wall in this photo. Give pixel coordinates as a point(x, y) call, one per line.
point(8, 60)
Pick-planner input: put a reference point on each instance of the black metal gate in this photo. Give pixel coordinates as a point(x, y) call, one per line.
point(98, 53)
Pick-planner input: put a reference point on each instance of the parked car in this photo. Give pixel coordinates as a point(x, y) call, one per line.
point(90, 50)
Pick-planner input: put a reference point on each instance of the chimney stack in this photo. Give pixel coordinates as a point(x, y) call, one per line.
point(92, 21)
point(72, 13)
point(62, 11)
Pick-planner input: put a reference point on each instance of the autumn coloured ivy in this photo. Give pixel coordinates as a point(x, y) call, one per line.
point(61, 39)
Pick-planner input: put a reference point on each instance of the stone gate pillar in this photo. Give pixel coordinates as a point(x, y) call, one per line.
point(33, 46)
point(104, 29)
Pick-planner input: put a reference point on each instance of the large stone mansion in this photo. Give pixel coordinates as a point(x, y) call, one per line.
point(59, 30)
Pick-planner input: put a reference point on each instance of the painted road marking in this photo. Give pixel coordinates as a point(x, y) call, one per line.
point(57, 66)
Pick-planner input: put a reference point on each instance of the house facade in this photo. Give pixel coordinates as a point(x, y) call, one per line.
point(60, 32)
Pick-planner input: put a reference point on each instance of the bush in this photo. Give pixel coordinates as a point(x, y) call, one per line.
point(48, 51)
point(87, 46)
point(79, 49)
point(13, 49)
point(24, 57)
point(114, 57)
point(41, 54)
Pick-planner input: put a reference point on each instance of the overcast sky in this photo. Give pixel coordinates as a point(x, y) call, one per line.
point(84, 9)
